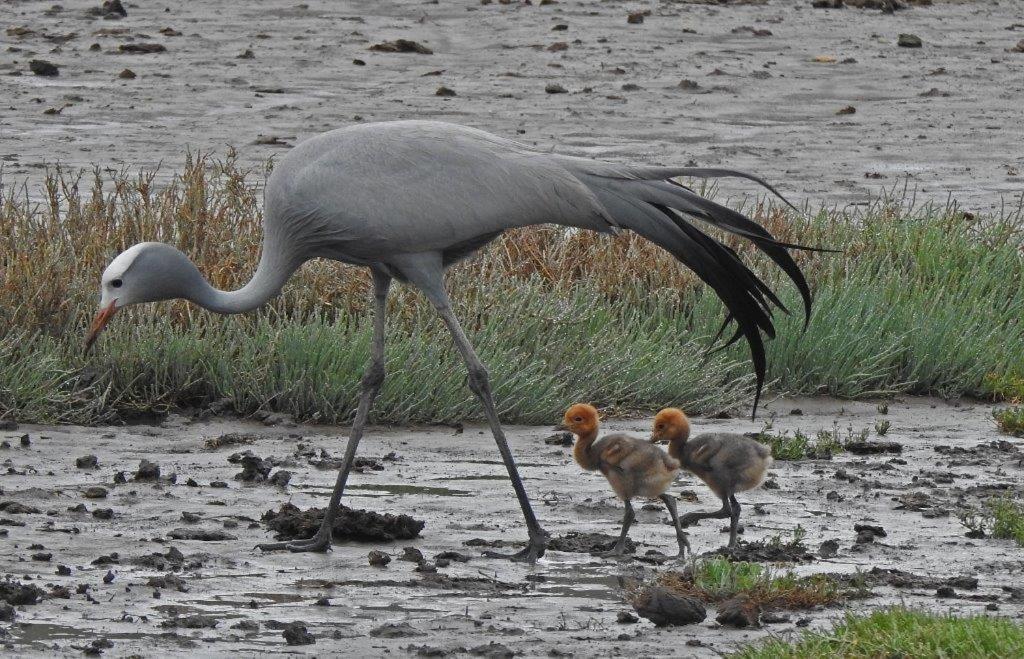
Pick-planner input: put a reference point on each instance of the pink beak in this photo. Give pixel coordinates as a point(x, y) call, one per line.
point(98, 323)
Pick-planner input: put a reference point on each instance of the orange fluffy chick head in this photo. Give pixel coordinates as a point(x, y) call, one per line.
point(581, 419)
point(670, 424)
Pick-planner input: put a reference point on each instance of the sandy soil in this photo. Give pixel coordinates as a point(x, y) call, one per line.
point(944, 118)
point(452, 480)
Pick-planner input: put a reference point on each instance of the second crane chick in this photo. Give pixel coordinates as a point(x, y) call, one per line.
point(634, 468)
point(727, 462)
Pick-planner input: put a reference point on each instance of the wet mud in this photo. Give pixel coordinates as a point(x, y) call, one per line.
point(173, 570)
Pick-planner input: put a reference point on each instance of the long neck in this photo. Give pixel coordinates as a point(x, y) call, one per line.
point(581, 451)
point(677, 444)
point(271, 274)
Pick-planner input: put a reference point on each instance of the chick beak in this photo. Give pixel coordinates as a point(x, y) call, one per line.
point(98, 323)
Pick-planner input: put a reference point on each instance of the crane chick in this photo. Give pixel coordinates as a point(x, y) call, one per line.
point(727, 462)
point(634, 468)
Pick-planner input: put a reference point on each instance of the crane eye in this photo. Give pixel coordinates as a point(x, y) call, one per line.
point(116, 283)
point(660, 426)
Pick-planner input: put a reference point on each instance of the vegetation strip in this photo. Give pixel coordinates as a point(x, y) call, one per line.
point(921, 300)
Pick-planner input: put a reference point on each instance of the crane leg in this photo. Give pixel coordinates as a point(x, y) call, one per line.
point(427, 274)
point(620, 547)
point(734, 521)
point(684, 542)
point(724, 513)
point(372, 380)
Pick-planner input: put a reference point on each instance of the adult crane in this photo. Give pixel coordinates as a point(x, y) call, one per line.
point(407, 199)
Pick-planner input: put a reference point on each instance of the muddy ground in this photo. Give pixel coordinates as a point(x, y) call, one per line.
point(126, 579)
point(734, 84)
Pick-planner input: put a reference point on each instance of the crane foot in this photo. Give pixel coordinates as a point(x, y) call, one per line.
point(534, 549)
point(314, 544)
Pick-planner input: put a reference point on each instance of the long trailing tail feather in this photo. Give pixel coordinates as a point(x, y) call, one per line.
point(644, 200)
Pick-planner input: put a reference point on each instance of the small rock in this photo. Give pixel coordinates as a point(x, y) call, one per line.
point(87, 462)
point(114, 7)
point(103, 513)
point(147, 471)
point(41, 67)
point(909, 41)
point(126, 74)
point(555, 88)
point(412, 554)
point(444, 91)
point(95, 492)
point(108, 577)
point(829, 549)
point(219, 484)
point(42, 557)
point(378, 558)
point(849, 109)
point(190, 517)
point(7, 612)
point(25, 441)
point(246, 54)
point(297, 634)
point(637, 17)
point(945, 592)
point(63, 570)
point(663, 607)
point(739, 612)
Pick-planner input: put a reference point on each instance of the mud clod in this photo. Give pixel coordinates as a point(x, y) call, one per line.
point(873, 448)
point(378, 558)
point(395, 630)
point(559, 439)
point(203, 535)
point(297, 634)
point(95, 492)
point(588, 543)
point(290, 523)
point(17, 593)
point(15, 508)
point(767, 552)
point(663, 607)
point(401, 46)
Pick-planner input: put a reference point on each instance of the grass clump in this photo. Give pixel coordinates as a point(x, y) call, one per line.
point(719, 579)
point(900, 632)
point(799, 446)
point(1000, 517)
point(1010, 420)
point(920, 301)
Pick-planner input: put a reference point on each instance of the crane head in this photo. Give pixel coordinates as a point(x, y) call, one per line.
point(146, 272)
point(670, 424)
point(581, 419)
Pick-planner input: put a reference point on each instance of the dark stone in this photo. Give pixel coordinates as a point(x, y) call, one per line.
point(829, 549)
point(297, 634)
point(412, 555)
point(445, 91)
point(16, 593)
point(95, 492)
point(7, 612)
point(103, 513)
point(191, 622)
point(147, 471)
point(945, 592)
point(281, 478)
point(626, 618)
point(15, 508)
point(87, 462)
point(378, 558)
point(663, 607)
point(555, 88)
point(63, 570)
point(740, 611)
point(41, 67)
point(909, 41)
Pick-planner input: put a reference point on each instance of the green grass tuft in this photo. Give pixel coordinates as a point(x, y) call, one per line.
point(900, 632)
point(1001, 517)
point(1011, 420)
